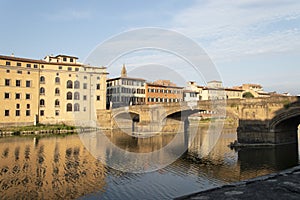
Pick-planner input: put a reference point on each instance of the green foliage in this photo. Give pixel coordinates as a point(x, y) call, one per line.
point(16, 130)
point(286, 104)
point(248, 95)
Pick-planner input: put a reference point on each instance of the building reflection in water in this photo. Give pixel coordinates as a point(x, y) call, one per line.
point(48, 168)
point(62, 168)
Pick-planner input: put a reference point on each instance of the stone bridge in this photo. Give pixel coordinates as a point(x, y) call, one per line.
point(271, 120)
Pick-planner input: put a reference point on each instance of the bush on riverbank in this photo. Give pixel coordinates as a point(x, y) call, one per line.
point(39, 127)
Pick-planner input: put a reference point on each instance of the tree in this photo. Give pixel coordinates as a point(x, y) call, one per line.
point(248, 95)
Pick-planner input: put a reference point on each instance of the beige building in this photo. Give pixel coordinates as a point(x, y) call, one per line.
point(215, 90)
point(57, 89)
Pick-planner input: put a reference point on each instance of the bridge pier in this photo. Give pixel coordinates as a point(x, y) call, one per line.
point(260, 133)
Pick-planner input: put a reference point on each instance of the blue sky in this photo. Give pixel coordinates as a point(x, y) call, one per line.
point(249, 41)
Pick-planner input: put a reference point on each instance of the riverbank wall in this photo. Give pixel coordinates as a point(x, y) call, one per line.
point(282, 185)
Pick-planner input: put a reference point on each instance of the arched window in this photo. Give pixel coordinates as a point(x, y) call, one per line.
point(76, 107)
point(76, 96)
point(57, 91)
point(42, 91)
point(42, 102)
point(57, 80)
point(69, 84)
point(69, 96)
point(42, 79)
point(56, 103)
point(76, 84)
point(69, 107)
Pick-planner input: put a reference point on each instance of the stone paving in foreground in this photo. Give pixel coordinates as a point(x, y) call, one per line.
point(284, 185)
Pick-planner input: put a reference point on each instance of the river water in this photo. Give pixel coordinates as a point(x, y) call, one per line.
point(61, 167)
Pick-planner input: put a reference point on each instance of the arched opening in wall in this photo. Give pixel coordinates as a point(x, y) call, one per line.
point(76, 107)
point(69, 84)
point(69, 107)
point(286, 130)
point(76, 96)
point(76, 84)
point(69, 96)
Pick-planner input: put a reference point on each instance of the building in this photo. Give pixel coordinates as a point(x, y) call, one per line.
point(213, 91)
point(255, 89)
point(234, 93)
point(163, 91)
point(124, 91)
point(57, 89)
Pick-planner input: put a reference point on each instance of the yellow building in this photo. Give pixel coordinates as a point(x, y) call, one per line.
point(57, 89)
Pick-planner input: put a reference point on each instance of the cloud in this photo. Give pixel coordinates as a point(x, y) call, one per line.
point(233, 29)
point(69, 15)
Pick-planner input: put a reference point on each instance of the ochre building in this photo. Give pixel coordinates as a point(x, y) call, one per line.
point(57, 89)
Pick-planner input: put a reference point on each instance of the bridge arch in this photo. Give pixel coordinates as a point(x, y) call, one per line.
point(285, 125)
point(290, 117)
point(126, 114)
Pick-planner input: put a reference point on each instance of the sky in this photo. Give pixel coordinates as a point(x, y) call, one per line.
point(249, 41)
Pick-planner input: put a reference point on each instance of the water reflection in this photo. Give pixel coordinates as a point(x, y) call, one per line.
point(62, 168)
point(53, 168)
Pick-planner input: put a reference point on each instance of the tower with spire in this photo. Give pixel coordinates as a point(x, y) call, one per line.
point(123, 71)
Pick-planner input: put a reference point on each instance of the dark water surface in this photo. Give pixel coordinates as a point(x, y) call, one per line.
point(62, 168)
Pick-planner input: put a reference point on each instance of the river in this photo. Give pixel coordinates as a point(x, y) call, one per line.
point(61, 167)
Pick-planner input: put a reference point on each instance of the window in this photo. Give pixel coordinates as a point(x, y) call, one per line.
point(76, 84)
point(85, 86)
point(69, 107)
point(69, 68)
point(27, 96)
point(7, 63)
point(57, 113)
point(19, 64)
point(42, 102)
point(28, 72)
point(28, 83)
point(69, 96)
point(42, 91)
point(98, 98)
point(64, 59)
point(28, 65)
point(17, 106)
point(98, 86)
point(85, 77)
point(18, 96)
point(7, 82)
point(84, 97)
point(57, 92)
point(42, 79)
point(76, 107)
point(28, 106)
point(6, 113)
point(76, 69)
point(17, 112)
point(19, 72)
point(42, 112)
point(7, 71)
point(59, 67)
point(18, 83)
point(98, 78)
point(57, 80)
point(35, 66)
point(69, 84)
point(57, 103)
point(6, 95)
point(27, 112)
point(42, 66)
point(71, 59)
point(76, 96)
